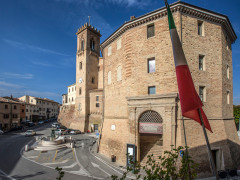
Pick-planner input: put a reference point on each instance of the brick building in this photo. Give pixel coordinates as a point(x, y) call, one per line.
point(9, 113)
point(136, 86)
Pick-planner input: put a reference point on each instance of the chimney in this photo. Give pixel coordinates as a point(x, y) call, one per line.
point(132, 17)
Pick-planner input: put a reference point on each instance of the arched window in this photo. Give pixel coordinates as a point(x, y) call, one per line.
point(92, 45)
point(80, 65)
point(150, 117)
point(82, 45)
point(80, 91)
point(119, 73)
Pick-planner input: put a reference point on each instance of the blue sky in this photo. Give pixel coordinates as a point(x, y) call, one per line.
point(38, 41)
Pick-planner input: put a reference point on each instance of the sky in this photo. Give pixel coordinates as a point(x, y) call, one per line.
point(38, 39)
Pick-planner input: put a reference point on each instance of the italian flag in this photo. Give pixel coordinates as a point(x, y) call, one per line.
point(189, 99)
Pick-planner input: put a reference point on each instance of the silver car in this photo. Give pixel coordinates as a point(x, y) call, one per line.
point(1, 132)
point(30, 133)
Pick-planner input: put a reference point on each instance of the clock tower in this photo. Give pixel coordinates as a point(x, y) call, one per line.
point(87, 59)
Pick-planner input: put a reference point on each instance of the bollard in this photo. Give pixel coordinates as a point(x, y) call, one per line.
point(26, 147)
point(73, 145)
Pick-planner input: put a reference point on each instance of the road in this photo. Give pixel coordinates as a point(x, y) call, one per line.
point(77, 163)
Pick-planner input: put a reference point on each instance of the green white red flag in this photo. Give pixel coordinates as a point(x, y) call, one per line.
point(189, 99)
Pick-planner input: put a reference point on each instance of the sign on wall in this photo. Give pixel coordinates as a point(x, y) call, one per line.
point(151, 128)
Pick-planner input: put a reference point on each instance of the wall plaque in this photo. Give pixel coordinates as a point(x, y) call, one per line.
point(151, 128)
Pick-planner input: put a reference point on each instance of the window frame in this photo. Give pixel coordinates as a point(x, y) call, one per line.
point(201, 57)
point(203, 95)
point(200, 28)
point(149, 35)
point(149, 90)
point(148, 64)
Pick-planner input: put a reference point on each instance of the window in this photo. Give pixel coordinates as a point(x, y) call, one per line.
point(72, 99)
point(201, 62)
point(151, 90)
point(79, 107)
point(202, 93)
point(72, 89)
point(69, 100)
point(69, 90)
point(227, 71)
point(82, 45)
point(97, 105)
point(92, 45)
point(150, 31)
point(151, 65)
point(109, 50)
point(93, 80)
point(15, 116)
point(26, 110)
point(200, 28)
point(97, 98)
point(80, 65)
point(119, 73)
point(22, 110)
point(109, 77)
point(228, 97)
point(80, 91)
point(119, 43)
point(6, 106)
point(5, 116)
point(15, 107)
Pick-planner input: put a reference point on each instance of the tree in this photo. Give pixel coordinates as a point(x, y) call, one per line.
point(236, 112)
point(171, 166)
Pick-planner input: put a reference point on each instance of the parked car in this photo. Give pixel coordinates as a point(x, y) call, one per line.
point(30, 133)
point(16, 128)
point(30, 124)
point(1, 132)
point(75, 131)
point(54, 125)
point(67, 131)
point(40, 122)
point(59, 131)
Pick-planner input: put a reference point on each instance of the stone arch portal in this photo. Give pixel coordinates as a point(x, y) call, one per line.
point(150, 132)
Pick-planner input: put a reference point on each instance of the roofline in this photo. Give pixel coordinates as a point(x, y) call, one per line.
point(163, 12)
point(72, 85)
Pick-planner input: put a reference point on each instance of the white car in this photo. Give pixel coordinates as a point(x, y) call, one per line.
point(30, 133)
point(54, 125)
point(1, 132)
point(59, 131)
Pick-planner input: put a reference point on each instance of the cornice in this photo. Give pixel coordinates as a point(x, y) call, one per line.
point(182, 7)
point(89, 27)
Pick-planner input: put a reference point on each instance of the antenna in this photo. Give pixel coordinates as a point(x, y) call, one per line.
point(89, 19)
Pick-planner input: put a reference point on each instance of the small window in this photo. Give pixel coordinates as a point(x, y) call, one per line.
point(109, 50)
point(5, 116)
point(6, 106)
point(82, 45)
point(92, 45)
point(151, 90)
point(69, 100)
point(151, 65)
point(80, 65)
point(227, 71)
point(69, 90)
point(150, 31)
point(26, 110)
point(201, 63)
point(200, 28)
point(93, 79)
point(119, 43)
point(97, 105)
point(80, 91)
point(97, 98)
point(72, 99)
point(109, 77)
point(228, 97)
point(202, 93)
point(119, 73)
point(72, 89)
point(79, 107)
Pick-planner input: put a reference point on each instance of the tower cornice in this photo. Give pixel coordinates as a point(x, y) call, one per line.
point(184, 8)
point(89, 27)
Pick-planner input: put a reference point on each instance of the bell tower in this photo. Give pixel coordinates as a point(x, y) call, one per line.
point(87, 58)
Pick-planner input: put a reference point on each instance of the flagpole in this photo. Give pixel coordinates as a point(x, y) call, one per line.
point(213, 167)
point(189, 170)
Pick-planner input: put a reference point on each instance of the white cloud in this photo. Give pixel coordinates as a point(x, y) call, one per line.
point(42, 64)
point(42, 94)
point(16, 76)
point(31, 47)
point(10, 85)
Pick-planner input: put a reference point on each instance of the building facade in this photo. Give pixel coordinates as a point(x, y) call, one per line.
point(137, 84)
point(9, 113)
point(40, 108)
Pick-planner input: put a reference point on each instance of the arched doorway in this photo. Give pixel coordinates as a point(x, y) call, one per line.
point(150, 132)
